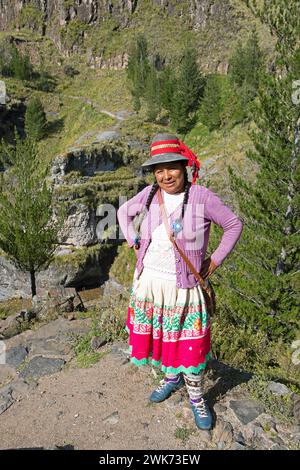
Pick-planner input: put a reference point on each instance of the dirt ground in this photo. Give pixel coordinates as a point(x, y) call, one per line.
point(103, 407)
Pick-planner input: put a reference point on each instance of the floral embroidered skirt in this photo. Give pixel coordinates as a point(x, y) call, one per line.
point(168, 326)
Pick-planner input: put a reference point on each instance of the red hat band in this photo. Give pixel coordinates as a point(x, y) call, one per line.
point(177, 146)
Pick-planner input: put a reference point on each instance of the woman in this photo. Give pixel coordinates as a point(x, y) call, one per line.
point(167, 315)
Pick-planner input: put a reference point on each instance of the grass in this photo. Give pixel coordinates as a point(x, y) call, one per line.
point(108, 322)
point(229, 143)
point(80, 256)
point(12, 306)
point(105, 87)
point(280, 406)
point(74, 119)
point(183, 433)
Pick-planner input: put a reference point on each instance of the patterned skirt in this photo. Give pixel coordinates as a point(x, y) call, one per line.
point(168, 326)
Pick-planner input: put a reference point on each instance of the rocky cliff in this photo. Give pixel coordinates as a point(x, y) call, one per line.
point(93, 11)
point(102, 29)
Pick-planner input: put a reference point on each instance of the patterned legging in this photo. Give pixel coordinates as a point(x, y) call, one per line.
point(193, 382)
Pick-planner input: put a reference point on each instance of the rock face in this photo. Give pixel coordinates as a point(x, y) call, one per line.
point(87, 162)
point(53, 16)
point(201, 12)
point(91, 272)
point(85, 11)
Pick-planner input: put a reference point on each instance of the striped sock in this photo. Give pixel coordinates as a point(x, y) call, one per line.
point(194, 385)
point(172, 378)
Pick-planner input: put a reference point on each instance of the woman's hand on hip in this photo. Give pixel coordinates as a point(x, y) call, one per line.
point(208, 267)
point(136, 251)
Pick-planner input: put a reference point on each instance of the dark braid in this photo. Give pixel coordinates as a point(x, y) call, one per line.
point(187, 185)
point(141, 215)
point(151, 194)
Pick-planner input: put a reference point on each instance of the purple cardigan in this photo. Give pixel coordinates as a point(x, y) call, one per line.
point(203, 207)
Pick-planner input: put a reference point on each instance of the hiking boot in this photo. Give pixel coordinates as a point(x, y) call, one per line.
point(202, 414)
point(165, 389)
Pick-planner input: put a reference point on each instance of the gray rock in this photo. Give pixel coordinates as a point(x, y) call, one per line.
point(11, 325)
point(206, 436)
point(219, 408)
point(296, 406)
point(6, 399)
point(295, 429)
point(113, 418)
point(246, 410)
point(13, 282)
point(240, 438)
point(97, 342)
point(61, 329)
point(223, 432)
point(279, 447)
point(113, 288)
point(7, 373)
point(277, 440)
point(40, 366)
point(21, 388)
point(15, 356)
point(107, 135)
point(121, 349)
point(253, 431)
point(237, 446)
point(278, 388)
point(49, 347)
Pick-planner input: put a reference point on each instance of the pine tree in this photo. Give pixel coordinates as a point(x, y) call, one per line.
point(29, 224)
point(266, 296)
point(211, 104)
point(138, 70)
point(244, 68)
point(188, 90)
point(152, 94)
point(35, 119)
point(167, 85)
point(20, 65)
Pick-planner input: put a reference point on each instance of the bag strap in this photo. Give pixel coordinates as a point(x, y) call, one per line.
point(172, 239)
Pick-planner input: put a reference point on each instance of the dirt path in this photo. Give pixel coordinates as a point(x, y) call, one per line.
point(102, 407)
point(112, 132)
point(106, 406)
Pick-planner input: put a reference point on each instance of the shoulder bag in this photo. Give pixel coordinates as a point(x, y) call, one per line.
point(207, 289)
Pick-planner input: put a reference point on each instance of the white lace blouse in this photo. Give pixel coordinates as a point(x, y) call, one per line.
point(159, 259)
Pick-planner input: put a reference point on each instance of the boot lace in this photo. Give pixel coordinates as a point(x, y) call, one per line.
point(201, 408)
point(162, 385)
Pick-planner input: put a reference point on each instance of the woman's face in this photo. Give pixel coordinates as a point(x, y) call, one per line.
point(170, 176)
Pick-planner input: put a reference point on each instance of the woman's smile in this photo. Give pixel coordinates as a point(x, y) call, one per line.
point(164, 171)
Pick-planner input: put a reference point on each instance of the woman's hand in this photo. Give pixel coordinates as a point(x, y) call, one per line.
point(208, 267)
point(135, 250)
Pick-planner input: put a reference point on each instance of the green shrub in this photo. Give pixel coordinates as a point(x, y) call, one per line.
point(35, 119)
point(30, 17)
point(123, 266)
point(20, 65)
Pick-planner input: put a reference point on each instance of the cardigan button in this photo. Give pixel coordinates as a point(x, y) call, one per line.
point(178, 284)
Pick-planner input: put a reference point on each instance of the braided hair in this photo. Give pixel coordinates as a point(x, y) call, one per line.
point(155, 186)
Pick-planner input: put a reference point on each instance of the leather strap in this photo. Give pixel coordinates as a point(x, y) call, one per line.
point(172, 239)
